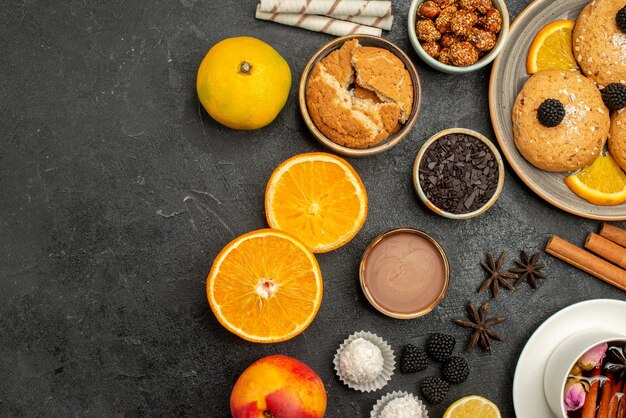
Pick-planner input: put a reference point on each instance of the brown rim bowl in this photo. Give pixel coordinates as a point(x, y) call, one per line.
point(391, 141)
point(367, 292)
point(431, 205)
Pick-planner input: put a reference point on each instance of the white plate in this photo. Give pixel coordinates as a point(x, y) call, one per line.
point(528, 395)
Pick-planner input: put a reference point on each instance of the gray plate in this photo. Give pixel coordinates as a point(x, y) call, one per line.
point(507, 78)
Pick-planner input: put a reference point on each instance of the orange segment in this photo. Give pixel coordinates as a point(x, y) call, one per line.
point(318, 198)
point(552, 48)
point(602, 183)
point(265, 286)
point(472, 407)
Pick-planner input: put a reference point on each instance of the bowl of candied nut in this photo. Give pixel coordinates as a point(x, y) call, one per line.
point(458, 36)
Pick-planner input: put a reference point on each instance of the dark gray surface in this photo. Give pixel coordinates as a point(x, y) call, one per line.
point(117, 190)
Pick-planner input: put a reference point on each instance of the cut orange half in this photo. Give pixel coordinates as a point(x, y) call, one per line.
point(318, 198)
point(603, 183)
point(552, 48)
point(472, 407)
point(265, 286)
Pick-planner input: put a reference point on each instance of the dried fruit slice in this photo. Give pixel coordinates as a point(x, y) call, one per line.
point(603, 183)
point(552, 48)
point(472, 407)
point(265, 286)
point(318, 198)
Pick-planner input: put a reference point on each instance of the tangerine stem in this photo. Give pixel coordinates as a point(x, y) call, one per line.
point(245, 67)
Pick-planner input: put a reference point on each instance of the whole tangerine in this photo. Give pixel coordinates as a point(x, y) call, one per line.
point(243, 83)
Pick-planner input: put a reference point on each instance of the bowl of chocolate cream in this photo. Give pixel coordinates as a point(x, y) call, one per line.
point(404, 273)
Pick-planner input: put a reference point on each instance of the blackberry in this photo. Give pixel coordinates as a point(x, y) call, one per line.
point(434, 389)
point(413, 359)
point(620, 19)
point(456, 370)
point(439, 347)
point(551, 113)
point(614, 96)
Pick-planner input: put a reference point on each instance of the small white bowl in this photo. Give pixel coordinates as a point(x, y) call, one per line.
point(500, 5)
point(563, 359)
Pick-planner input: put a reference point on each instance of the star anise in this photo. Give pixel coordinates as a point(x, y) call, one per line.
point(616, 361)
point(481, 326)
point(528, 268)
point(496, 277)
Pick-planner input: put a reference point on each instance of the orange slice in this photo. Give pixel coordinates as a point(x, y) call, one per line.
point(602, 183)
point(265, 286)
point(318, 198)
point(472, 407)
point(552, 48)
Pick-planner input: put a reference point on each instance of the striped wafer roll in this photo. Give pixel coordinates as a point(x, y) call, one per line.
point(318, 23)
point(384, 23)
point(376, 8)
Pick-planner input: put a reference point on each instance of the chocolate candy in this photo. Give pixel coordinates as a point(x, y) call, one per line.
point(458, 173)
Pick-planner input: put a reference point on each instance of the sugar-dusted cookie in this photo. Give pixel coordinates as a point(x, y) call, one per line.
point(381, 71)
point(617, 138)
point(599, 43)
point(380, 102)
point(560, 122)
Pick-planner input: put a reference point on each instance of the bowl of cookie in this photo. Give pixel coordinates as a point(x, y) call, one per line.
point(458, 36)
point(360, 95)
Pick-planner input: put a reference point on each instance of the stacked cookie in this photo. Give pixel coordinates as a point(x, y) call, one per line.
point(562, 119)
point(599, 40)
point(358, 96)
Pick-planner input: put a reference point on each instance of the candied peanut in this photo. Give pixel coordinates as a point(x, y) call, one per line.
point(469, 5)
point(432, 49)
point(448, 39)
point(463, 54)
point(483, 6)
point(492, 21)
point(426, 31)
point(445, 17)
point(444, 56)
point(444, 3)
point(428, 10)
point(481, 39)
point(462, 22)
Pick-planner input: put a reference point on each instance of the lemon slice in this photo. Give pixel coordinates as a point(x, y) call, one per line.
point(472, 407)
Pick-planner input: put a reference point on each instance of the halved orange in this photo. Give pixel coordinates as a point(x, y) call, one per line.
point(552, 48)
point(318, 198)
point(602, 183)
point(472, 407)
point(265, 286)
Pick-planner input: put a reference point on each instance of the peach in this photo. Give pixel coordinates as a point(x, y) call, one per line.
point(278, 387)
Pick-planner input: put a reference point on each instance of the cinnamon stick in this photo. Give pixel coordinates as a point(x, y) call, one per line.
point(587, 262)
point(615, 400)
point(606, 249)
point(613, 233)
point(589, 408)
point(607, 395)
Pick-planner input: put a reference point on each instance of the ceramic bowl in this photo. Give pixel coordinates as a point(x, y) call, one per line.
point(364, 40)
point(563, 359)
point(500, 5)
point(431, 205)
point(368, 294)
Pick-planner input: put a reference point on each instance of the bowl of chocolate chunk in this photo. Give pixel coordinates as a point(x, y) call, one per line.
point(458, 173)
point(360, 95)
point(458, 36)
